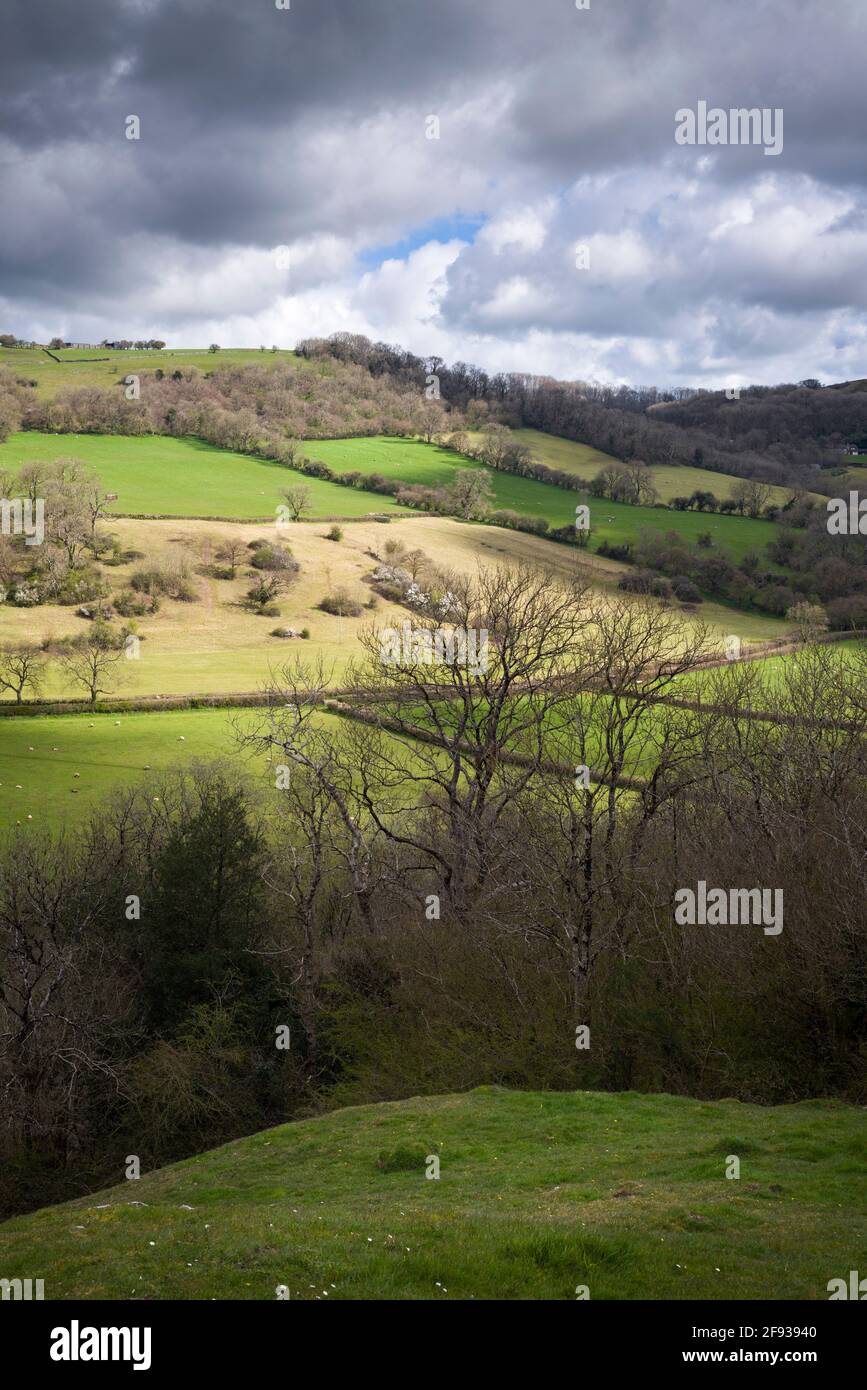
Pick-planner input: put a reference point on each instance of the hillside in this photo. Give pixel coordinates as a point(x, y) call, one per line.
point(103, 367)
point(538, 1193)
point(676, 480)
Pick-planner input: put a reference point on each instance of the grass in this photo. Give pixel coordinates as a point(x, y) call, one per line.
point(538, 1194)
point(52, 377)
point(671, 480)
point(42, 756)
point(416, 462)
point(216, 645)
point(162, 476)
point(158, 475)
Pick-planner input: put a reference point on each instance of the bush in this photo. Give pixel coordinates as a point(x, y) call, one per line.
point(614, 552)
point(25, 595)
point(131, 605)
point(341, 604)
point(684, 590)
point(848, 612)
point(636, 582)
point(170, 580)
point(335, 534)
point(273, 557)
point(81, 586)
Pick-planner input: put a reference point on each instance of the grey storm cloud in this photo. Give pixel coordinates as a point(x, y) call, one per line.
point(262, 126)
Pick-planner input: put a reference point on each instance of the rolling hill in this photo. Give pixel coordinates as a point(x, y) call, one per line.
point(539, 1194)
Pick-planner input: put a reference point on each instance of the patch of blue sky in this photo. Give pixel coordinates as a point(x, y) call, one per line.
point(439, 229)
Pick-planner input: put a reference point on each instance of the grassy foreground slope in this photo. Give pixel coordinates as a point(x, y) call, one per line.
point(538, 1193)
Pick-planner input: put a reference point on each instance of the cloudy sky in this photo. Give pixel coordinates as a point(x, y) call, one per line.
point(288, 180)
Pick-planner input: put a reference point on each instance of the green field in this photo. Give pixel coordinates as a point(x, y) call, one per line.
point(415, 462)
point(161, 476)
point(538, 1194)
point(158, 475)
point(671, 481)
point(39, 757)
point(54, 377)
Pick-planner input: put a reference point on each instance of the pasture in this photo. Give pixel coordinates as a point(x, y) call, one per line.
point(215, 645)
point(52, 378)
point(671, 481)
point(413, 461)
point(538, 1193)
point(161, 476)
point(158, 475)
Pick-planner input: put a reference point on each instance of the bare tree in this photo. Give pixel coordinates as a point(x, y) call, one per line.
point(20, 667)
point(90, 660)
point(267, 588)
point(299, 500)
point(230, 552)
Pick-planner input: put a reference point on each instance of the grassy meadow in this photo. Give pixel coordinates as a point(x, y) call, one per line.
point(160, 476)
point(413, 461)
point(157, 475)
point(671, 481)
point(40, 757)
point(538, 1194)
point(215, 645)
point(103, 367)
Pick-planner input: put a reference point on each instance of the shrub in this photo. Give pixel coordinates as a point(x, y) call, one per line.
point(614, 552)
point(170, 579)
point(81, 586)
point(335, 534)
point(116, 556)
point(636, 582)
point(274, 557)
point(341, 604)
point(848, 612)
point(131, 605)
point(684, 590)
point(25, 595)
